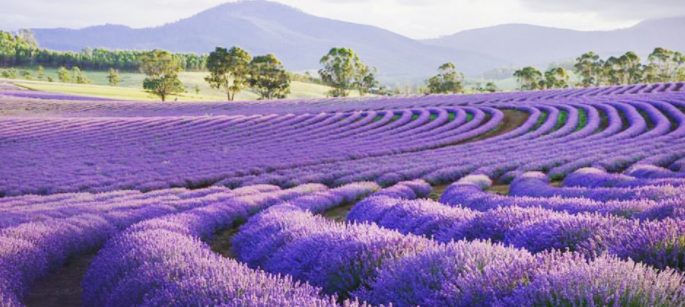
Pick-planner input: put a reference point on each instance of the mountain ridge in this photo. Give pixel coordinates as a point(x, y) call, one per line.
point(300, 40)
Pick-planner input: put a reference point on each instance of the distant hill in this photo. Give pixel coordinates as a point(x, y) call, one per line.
point(300, 40)
point(261, 27)
point(535, 45)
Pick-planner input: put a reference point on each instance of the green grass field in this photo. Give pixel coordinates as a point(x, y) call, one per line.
point(130, 87)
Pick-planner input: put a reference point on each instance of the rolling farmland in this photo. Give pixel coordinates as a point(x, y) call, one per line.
point(346, 202)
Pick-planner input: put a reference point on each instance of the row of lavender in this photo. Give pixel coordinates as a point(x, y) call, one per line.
point(105, 154)
point(161, 151)
point(74, 224)
point(41, 103)
point(162, 262)
point(392, 265)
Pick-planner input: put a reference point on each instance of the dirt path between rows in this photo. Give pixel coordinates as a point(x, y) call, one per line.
point(62, 287)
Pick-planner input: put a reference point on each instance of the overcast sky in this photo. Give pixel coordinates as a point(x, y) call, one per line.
point(413, 18)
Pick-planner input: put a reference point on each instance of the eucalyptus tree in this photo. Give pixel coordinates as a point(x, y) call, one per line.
point(448, 80)
point(344, 71)
point(529, 78)
point(268, 78)
point(556, 78)
point(162, 69)
point(589, 67)
point(666, 65)
point(229, 70)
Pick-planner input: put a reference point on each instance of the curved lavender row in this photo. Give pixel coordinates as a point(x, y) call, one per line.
point(290, 172)
point(322, 201)
point(161, 262)
point(651, 172)
point(31, 250)
point(657, 243)
point(432, 274)
point(595, 177)
point(318, 105)
point(49, 95)
point(345, 153)
point(482, 274)
point(18, 212)
point(536, 184)
point(339, 258)
point(469, 192)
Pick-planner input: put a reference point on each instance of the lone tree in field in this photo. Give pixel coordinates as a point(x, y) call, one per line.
point(40, 72)
point(63, 74)
point(344, 71)
point(268, 77)
point(113, 77)
point(529, 78)
point(78, 76)
point(229, 70)
point(162, 71)
point(448, 80)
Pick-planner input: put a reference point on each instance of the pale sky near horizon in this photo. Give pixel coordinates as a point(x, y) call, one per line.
point(413, 18)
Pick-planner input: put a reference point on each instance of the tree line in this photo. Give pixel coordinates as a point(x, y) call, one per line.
point(591, 70)
point(22, 50)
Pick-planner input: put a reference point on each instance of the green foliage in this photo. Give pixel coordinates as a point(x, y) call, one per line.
point(78, 76)
point(268, 78)
point(113, 77)
point(63, 74)
point(665, 66)
point(229, 70)
point(556, 78)
point(489, 87)
point(588, 67)
point(50, 79)
point(22, 49)
point(40, 72)
point(26, 74)
point(529, 78)
point(344, 71)
point(448, 80)
point(162, 69)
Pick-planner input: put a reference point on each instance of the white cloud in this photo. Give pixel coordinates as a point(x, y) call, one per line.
point(413, 18)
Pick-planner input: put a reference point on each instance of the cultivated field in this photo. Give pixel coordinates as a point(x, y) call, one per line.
point(542, 198)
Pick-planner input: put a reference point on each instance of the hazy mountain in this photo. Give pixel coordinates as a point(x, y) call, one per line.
point(261, 27)
point(534, 45)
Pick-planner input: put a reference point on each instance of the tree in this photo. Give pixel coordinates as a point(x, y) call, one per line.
point(78, 76)
point(26, 35)
point(556, 78)
point(10, 73)
point(588, 67)
point(229, 70)
point(448, 80)
point(63, 74)
point(529, 78)
point(26, 74)
point(162, 69)
point(491, 87)
point(40, 72)
point(632, 69)
point(365, 79)
point(268, 77)
point(666, 65)
point(341, 68)
point(113, 77)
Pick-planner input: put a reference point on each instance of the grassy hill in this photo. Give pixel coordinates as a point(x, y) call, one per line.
point(130, 87)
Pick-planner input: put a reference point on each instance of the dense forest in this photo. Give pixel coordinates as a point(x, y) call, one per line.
point(22, 50)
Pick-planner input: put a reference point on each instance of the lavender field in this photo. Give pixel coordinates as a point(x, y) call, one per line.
point(570, 197)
